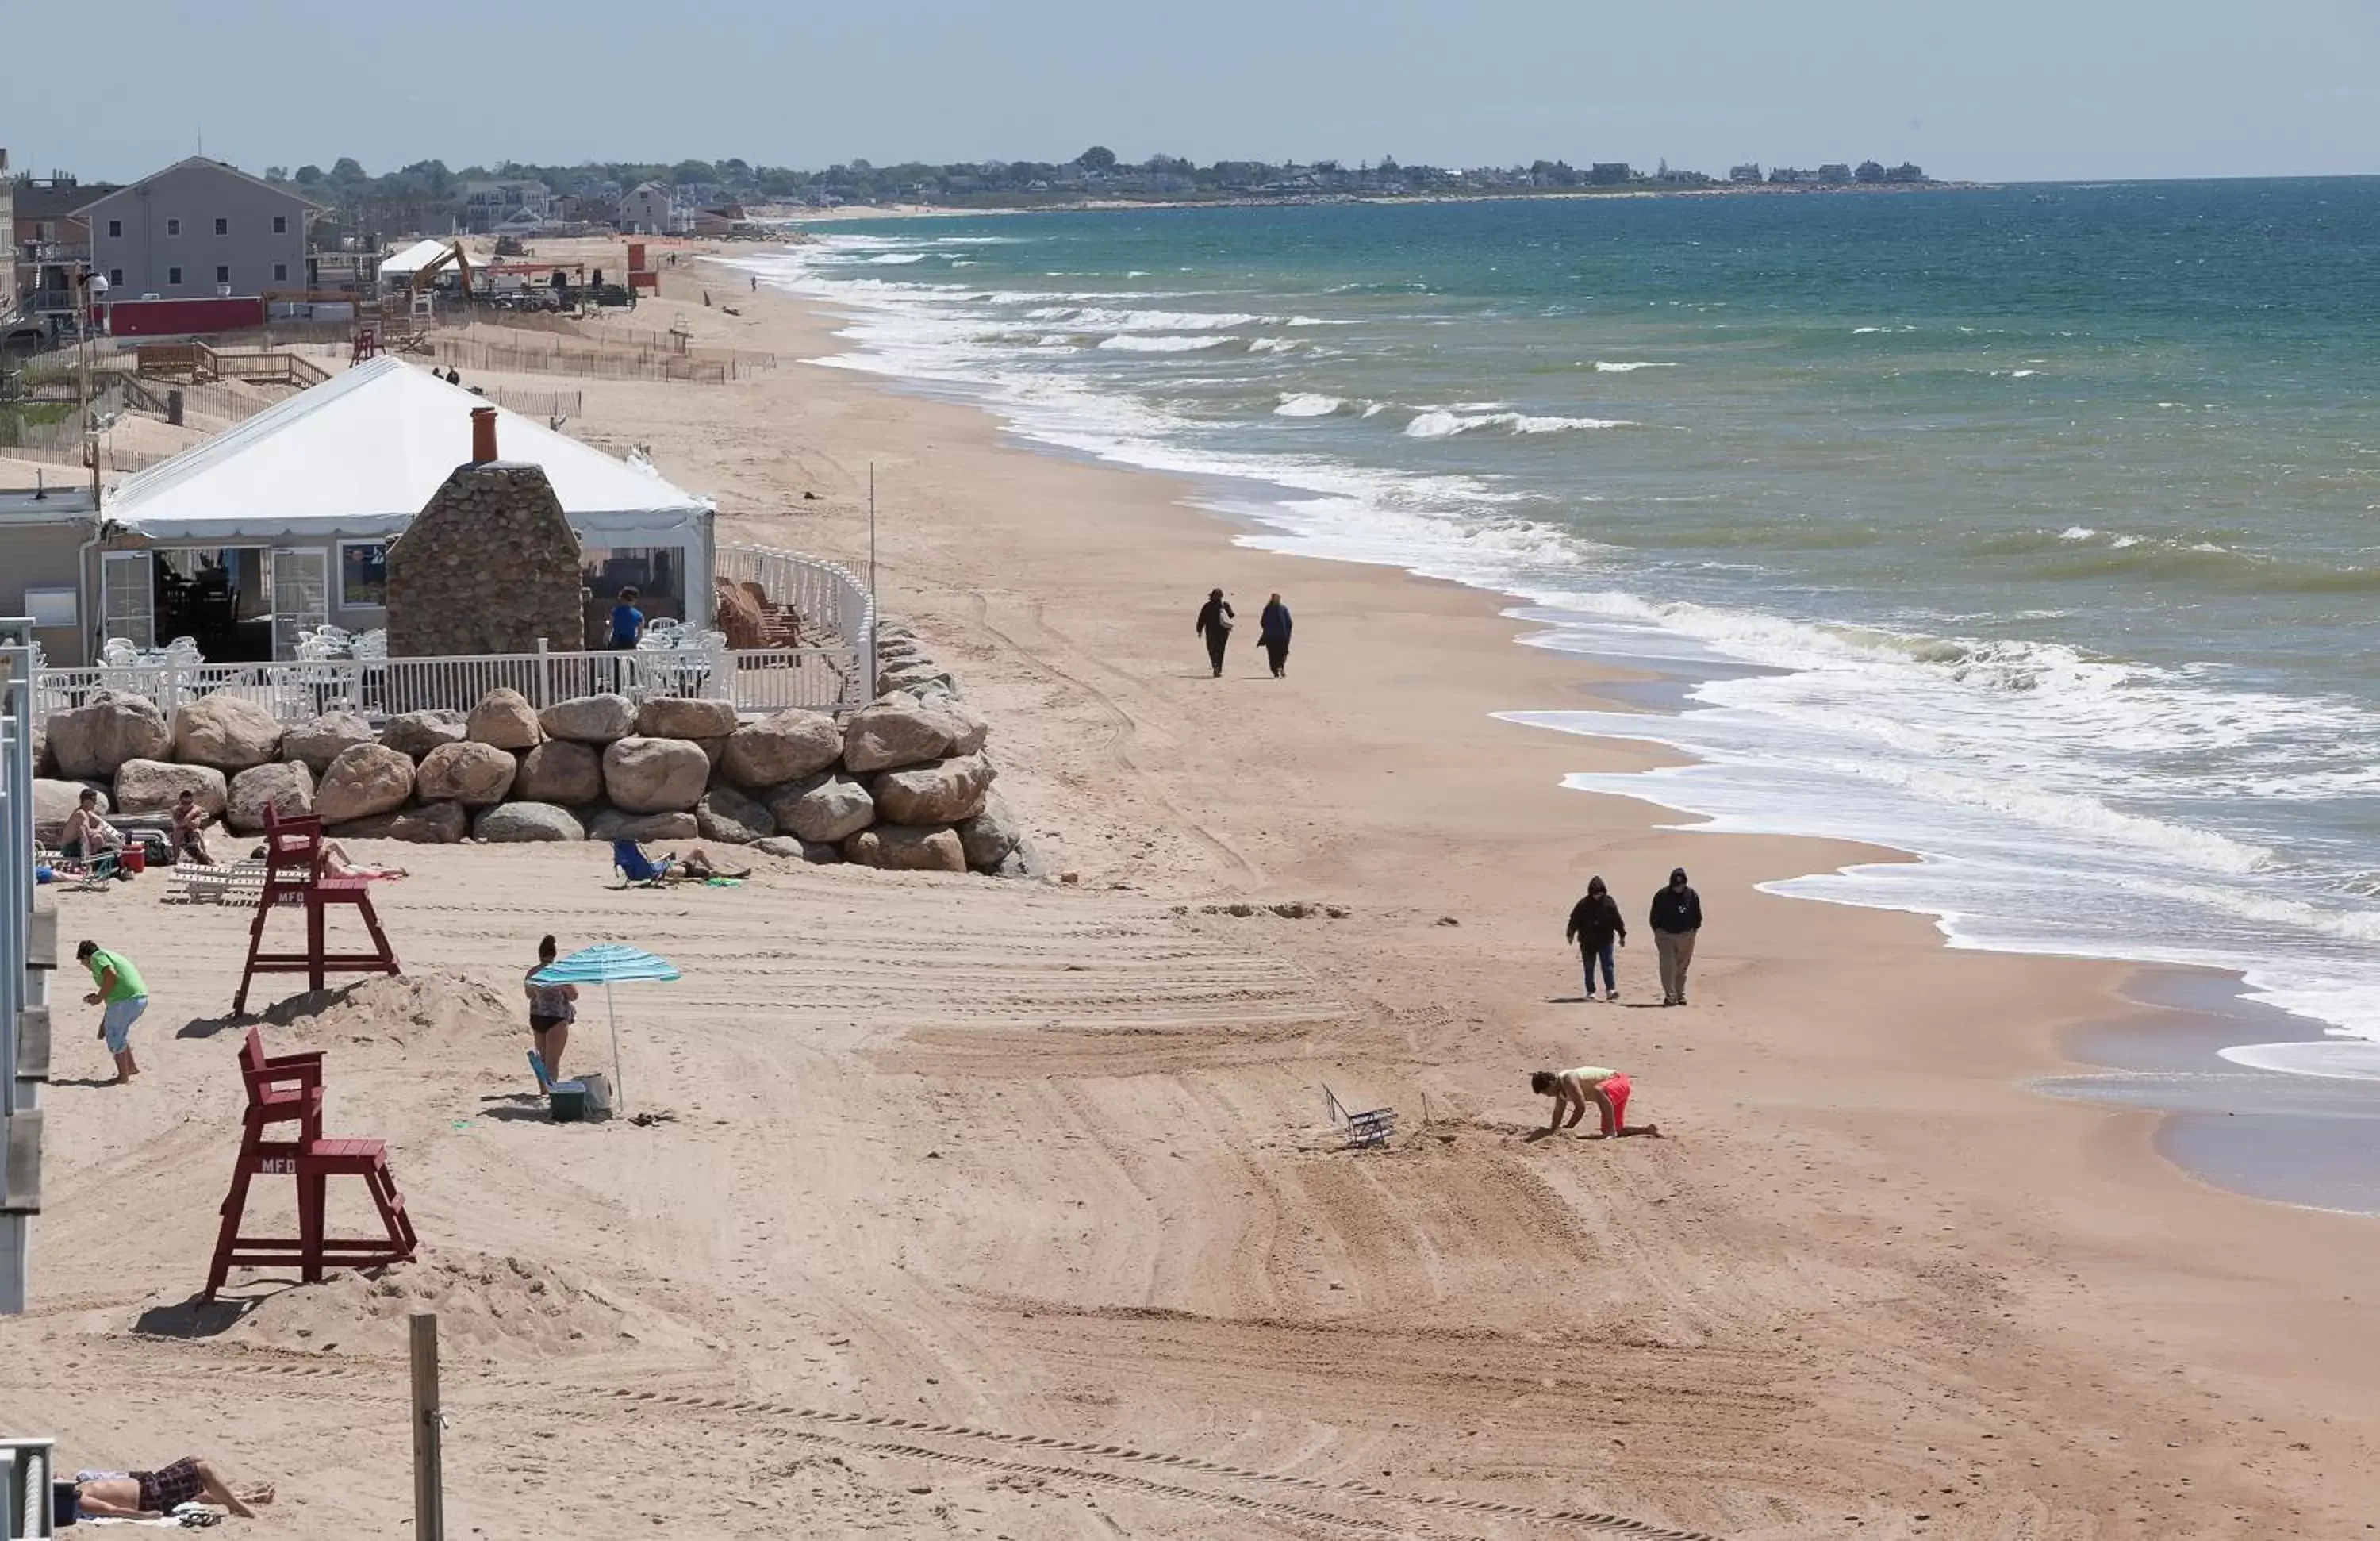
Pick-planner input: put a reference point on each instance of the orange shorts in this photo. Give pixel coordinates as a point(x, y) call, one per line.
point(1617, 1089)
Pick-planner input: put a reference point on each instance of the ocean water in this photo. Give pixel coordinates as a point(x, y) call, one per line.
point(2034, 533)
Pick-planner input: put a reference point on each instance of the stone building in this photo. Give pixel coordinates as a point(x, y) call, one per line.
point(488, 565)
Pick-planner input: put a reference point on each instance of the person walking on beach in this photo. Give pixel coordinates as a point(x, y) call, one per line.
point(117, 988)
point(1574, 1089)
point(1595, 925)
point(552, 1010)
point(1272, 635)
point(1677, 916)
point(1215, 625)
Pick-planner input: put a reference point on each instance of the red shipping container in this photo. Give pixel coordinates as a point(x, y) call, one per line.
point(182, 318)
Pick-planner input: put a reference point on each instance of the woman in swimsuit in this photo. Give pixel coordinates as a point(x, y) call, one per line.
point(552, 1010)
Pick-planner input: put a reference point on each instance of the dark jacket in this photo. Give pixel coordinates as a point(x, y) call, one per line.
point(1274, 625)
point(1215, 615)
point(1595, 921)
point(1677, 909)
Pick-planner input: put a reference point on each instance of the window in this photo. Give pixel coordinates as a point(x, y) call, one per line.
point(173, 275)
point(115, 229)
point(115, 278)
point(281, 224)
point(222, 227)
point(281, 273)
point(363, 574)
point(223, 273)
point(173, 227)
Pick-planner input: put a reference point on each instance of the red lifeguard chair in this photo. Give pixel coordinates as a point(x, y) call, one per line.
point(287, 1088)
point(293, 876)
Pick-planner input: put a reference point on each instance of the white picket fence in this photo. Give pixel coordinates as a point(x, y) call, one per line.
point(836, 673)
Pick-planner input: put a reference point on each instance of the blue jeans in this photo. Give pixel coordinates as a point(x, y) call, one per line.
point(1610, 975)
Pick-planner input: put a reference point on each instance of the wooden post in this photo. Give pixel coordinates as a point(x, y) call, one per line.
point(429, 1485)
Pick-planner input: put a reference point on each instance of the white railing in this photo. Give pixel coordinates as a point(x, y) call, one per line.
point(763, 680)
point(825, 596)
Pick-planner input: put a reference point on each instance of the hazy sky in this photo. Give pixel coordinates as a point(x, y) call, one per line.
point(2016, 89)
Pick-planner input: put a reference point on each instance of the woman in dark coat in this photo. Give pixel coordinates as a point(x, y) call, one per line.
point(1215, 625)
point(1272, 634)
point(1595, 924)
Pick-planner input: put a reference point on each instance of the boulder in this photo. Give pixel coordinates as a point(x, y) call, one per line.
point(611, 824)
point(471, 773)
point(54, 801)
point(823, 808)
point(920, 677)
point(527, 821)
point(782, 748)
point(990, 836)
point(803, 850)
point(230, 733)
point(590, 719)
point(655, 775)
point(317, 743)
point(969, 731)
point(503, 720)
point(897, 848)
point(96, 738)
point(364, 780)
point(429, 824)
point(154, 786)
point(894, 730)
point(1021, 863)
point(287, 789)
point(727, 815)
point(415, 734)
point(561, 770)
point(685, 717)
point(941, 792)
point(43, 766)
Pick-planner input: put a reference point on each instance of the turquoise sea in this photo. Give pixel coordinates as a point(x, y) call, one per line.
point(2035, 530)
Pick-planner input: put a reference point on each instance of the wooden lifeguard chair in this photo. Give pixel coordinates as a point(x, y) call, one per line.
point(293, 876)
point(285, 1090)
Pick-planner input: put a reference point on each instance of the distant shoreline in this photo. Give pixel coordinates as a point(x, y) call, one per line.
point(1725, 189)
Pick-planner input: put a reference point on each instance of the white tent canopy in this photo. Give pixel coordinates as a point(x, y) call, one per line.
point(413, 259)
point(360, 455)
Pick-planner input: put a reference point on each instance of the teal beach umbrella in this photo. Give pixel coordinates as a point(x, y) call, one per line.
point(607, 963)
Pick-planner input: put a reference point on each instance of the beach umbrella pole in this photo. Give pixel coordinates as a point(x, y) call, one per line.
point(612, 1010)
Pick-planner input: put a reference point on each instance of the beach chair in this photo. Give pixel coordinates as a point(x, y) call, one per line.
point(1368, 1130)
point(637, 869)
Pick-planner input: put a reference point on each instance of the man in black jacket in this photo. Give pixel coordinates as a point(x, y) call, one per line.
point(1594, 924)
point(1677, 916)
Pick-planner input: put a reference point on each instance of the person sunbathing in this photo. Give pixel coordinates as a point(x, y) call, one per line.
point(88, 833)
point(695, 866)
point(337, 863)
point(154, 1494)
point(1574, 1089)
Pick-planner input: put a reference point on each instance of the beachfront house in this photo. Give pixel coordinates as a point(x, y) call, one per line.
point(512, 205)
point(650, 209)
point(199, 228)
point(52, 247)
point(281, 524)
point(7, 240)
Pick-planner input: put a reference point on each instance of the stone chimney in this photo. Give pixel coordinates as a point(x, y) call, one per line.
point(488, 565)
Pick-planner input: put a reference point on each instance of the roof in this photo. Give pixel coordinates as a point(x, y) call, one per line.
point(202, 164)
point(414, 258)
point(36, 202)
point(360, 455)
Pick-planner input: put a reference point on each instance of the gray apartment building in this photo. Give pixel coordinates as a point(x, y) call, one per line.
point(197, 229)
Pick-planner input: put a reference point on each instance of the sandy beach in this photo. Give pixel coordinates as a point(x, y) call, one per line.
point(1010, 1209)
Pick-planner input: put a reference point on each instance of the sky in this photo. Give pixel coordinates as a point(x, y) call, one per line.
point(2015, 90)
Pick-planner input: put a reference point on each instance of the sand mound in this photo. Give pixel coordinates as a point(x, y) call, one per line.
point(435, 1009)
point(487, 1306)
